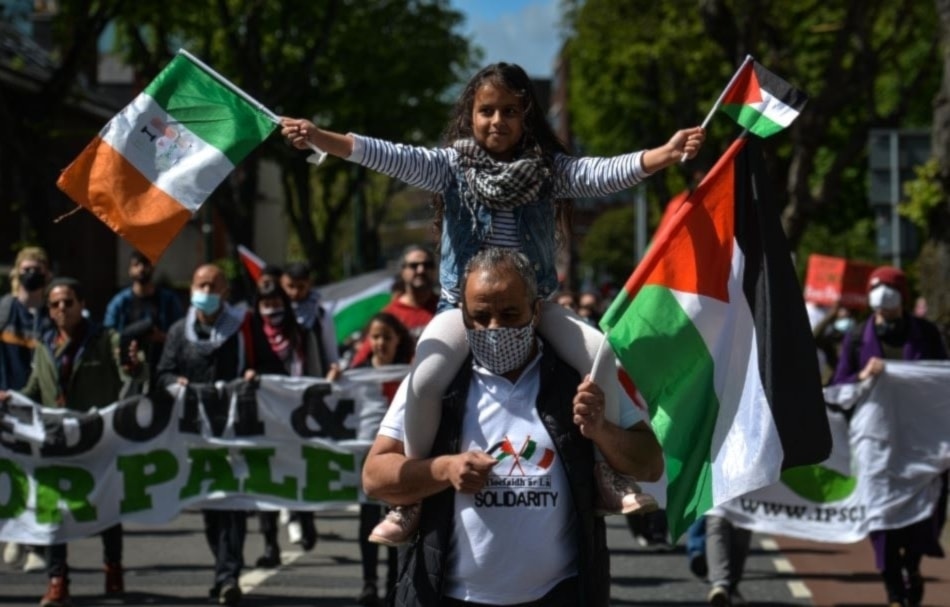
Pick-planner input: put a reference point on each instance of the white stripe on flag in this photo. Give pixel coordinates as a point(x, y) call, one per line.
point(773, 109)
point(166, 152)
point(746, 451)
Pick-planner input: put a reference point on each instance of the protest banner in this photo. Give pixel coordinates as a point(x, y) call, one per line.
point(279, 442)
point(891, 443)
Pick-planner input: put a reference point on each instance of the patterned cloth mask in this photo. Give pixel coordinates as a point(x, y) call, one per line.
point(502, 349)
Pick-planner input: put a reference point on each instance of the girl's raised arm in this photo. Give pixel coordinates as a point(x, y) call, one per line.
point(301, 132)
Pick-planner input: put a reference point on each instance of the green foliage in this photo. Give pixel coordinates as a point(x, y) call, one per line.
point(924, 195)
point(639, 70)
point(608, 249)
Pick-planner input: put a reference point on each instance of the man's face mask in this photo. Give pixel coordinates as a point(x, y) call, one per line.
point(501, 349)
point(32, 279)
point(209, 303)
point(883, 297)
point(843, 325)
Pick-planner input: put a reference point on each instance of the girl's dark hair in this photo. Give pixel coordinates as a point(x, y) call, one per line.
point(270, 290)
point(538, 133)
point(406, 347)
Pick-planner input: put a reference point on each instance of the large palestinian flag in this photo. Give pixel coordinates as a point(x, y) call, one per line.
point(712, 328)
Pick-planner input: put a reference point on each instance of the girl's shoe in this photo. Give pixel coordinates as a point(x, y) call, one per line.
point(398, 526)
point(620, 494)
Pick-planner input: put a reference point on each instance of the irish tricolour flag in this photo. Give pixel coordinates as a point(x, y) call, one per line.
point(712, 328)
point(761, 101)
point(154, 164)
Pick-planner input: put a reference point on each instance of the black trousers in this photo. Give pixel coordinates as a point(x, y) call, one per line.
point(370, 515)
point(225, 531)
point(56, 554)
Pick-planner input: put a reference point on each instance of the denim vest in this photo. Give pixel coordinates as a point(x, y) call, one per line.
point(464, 232)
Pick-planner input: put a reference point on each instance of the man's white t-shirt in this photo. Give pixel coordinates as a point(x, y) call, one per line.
point(517, 537)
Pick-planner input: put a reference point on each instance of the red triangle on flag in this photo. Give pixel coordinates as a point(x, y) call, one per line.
point(746, 89)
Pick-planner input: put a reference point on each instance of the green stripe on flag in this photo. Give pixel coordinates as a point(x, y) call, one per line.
point(670, 364)
point(752, 119)
point(209, 109)
point(353, 318)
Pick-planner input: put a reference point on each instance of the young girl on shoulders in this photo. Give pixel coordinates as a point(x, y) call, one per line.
point(502, 179)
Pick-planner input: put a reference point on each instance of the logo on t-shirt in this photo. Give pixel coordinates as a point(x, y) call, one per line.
point(522, 477)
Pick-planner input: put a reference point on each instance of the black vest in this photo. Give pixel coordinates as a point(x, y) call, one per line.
point(423, 564)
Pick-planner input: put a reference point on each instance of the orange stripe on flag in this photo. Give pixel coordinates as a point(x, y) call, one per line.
point(106, 184)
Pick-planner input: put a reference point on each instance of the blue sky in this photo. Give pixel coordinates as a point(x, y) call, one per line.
point(526, 32)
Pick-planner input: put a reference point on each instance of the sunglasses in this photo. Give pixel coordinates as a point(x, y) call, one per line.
point(62, 303)
point(415, 265)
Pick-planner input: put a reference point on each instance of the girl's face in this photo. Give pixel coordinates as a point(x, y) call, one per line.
point(272, 309)
point(497, 121)
point(383, 341)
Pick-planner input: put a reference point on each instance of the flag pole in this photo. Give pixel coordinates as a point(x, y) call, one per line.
point(318, 154)
point(722, 96)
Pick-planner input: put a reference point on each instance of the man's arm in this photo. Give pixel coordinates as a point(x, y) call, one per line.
point(633, 451)
point(390, 476)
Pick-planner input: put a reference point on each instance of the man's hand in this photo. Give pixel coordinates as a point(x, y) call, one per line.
point(4, 396)
point(589, 408)
point(468, 472)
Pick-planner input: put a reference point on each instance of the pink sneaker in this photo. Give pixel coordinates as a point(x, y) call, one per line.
point(620, 494)
point(400, 524)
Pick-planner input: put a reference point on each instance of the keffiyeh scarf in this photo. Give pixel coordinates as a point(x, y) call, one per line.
point(227, 323)
point(500, 185)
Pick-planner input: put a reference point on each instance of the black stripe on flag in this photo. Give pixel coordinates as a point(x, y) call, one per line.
point(788, 360)
point(779, 88)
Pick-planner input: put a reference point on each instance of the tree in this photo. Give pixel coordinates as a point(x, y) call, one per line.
point(639, 70)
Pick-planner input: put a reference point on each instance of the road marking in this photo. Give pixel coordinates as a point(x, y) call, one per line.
point(799, 590)
point(255, 577)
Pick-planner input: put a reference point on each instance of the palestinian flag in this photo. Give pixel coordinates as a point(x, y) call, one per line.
point(154, 164)
point(761, 101)
point(353, 301)
point(712, 329)
point(251, 262)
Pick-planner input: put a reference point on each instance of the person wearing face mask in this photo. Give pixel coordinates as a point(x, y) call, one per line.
point(512, 462)
point(829, 334)
point(143, 310)
point(281, 347)
point(210, 344)
point(23, 320)
point(892, 333)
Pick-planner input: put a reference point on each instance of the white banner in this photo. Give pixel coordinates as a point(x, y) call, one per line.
point(278, 443)
point(884, 468)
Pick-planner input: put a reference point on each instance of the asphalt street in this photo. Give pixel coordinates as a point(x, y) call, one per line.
point(171, 565)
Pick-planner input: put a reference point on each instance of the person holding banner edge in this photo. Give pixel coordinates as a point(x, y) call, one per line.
point(503, 180)
point(891, 332)
point(77, 366)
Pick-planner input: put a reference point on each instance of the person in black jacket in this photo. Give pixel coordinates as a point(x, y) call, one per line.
point(510, 473)
point(206, 346)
